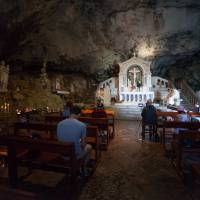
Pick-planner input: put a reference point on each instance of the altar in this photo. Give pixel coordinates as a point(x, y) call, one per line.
point(135, 81)
point(132, 86)
point(135, 84)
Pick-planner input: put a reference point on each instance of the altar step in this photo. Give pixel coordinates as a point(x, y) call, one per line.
point(127, 112)
point(185, 103)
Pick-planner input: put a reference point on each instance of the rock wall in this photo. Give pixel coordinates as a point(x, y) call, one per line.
point(88, 36)
point(29, 90)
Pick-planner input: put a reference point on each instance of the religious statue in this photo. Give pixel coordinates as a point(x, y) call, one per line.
point(135, 77)
point(43, 76)
point(173, 97)
point(58, 84)
point(4, 75)
point(131, 78)
point(139, 84)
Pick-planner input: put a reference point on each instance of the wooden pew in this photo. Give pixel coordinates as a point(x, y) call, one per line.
point(47, 131)
point(110, 116)
point(179, 149)
point(161, 114)
point(53, 119)
point(193, 114)
point(196, 170)
point(57, 119)
point(101, 123)
point(174, 125)
point(94, 140)
point(49, 157)
point(30, 129)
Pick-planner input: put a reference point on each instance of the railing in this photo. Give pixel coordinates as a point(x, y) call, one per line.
point(188, 92)
point(136, 97)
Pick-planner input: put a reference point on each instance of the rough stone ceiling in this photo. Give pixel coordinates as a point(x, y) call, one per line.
point(87, 36)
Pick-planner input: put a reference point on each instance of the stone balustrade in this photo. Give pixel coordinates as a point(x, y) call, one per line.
point(136, 97)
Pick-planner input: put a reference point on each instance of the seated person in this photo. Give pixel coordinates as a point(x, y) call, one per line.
point(149, 117)
point(24, 117)
point(99, 111)
point(181, 117)
point(100, 105)
point(72, 130)
point(66, 111)
point(197, 108)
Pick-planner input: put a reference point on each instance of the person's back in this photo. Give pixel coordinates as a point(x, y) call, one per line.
point(71, 130)
point(66, 111)
point(181, 117)
point(149, 115)
point(99, 105)
point(149, 119)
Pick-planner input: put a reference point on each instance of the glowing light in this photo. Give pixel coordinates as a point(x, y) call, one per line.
point(145, 51)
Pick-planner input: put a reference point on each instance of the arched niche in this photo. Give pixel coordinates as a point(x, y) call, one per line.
point(142, 65)
point(135, 76)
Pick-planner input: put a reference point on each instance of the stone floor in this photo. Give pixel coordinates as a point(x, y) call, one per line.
point(135, 170)
point(129, 170)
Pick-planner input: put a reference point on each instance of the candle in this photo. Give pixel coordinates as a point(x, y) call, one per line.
point(1, 108)
point(5, 107)
point(8, 107)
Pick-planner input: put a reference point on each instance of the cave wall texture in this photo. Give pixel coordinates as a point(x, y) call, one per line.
point(86, 37)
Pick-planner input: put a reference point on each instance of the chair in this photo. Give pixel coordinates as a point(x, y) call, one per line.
point(150, 129)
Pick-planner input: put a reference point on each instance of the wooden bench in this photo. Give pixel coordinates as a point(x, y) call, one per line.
point(53, 119)
point(110, 116)
point(193, 114)
point(49, 157)
point(48, 131)
point(57, 119)
point(178, 149)
point(161, 114)
point(94, 140)
point(102, 124)
point(176, 124)
point(196, 170)
point(28, 130)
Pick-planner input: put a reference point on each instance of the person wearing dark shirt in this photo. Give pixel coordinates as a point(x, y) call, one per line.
point(66, 111)
point(149, 118)
point(99, 105)
point(99, 111)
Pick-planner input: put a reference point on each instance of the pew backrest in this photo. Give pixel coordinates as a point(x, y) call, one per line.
point(53, 119)
point(178, 124)
point(166, 114)
point(45, 148)
point(101, 123)
point(193, 137)
point(92, 131)
point(94, 121)
point(31, 127)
